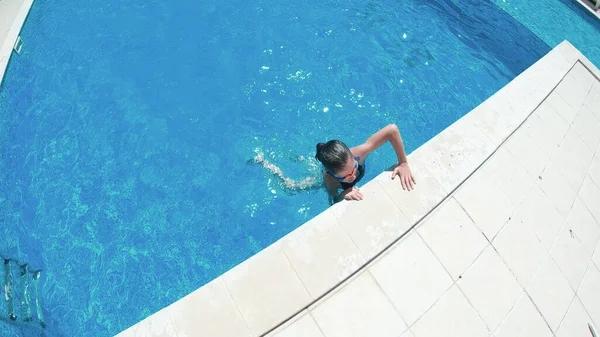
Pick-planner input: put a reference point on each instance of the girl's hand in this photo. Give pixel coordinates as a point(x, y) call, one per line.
point(406, 178)
point(352, 194)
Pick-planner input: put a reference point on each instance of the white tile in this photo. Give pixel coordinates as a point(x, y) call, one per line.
point(589, 294)
point(451, 316)
point(322, 253)
point(575, 86)
point(359, 309)
point(304, 326)
point(567, 111)
point(575, 322)
point(527, 153)
point(573, 159)
point(495, 117)
point(587, 126)
point(542, 135)
point(540, 214)
point(446, 163)
point(520, 248)
point(557, 189)
point(523, 321)
point(453, 154)
point(411, 277)
point(466, 137)
point(510, 176)
point(552, 118)
point(596, 257)
point(527, 90)
point(569, 255)
point(590, 195)
point(418, 202)
point(491, 288)
point(560, 59)
point(125, 333)
point(583, 226)
point(407, 334)
point(594, 171)
point(592, 101)
point(157, 325)
point(551, 293)
point(485, 203)
point(266, 289)
point(453, 237)
point(374, 222)
point(568, 51)
point(526, 103)
point(209, 309)
point(589, 65)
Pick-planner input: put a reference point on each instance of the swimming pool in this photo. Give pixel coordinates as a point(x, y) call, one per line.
point(126, 130)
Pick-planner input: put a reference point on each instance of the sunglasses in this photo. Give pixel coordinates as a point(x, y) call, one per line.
point(356, 159)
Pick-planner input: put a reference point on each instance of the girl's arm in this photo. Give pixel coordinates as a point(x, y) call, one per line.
point(331, 185)
point(389, 133)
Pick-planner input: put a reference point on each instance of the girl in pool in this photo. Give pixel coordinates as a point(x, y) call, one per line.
point(344, 167)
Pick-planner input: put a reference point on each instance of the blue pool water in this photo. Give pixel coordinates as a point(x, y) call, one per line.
point(126, 129)
point(557, 20)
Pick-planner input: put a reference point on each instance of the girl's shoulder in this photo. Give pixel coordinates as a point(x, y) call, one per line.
point(360, 152)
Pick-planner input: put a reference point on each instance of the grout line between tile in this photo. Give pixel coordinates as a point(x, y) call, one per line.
point(309, 312)
point(566, 312)
point(587, 174)
point(539, 312)
point(524, 288)
point(577, 292)
point(523, 294)
point(445, 291)
point(387, 297)
point(237, 308)
point(296, 272)
point(472, 306)
point(433, 305)
point(172, 325)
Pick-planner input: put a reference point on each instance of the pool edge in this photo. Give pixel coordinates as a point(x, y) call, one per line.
point(8, 43)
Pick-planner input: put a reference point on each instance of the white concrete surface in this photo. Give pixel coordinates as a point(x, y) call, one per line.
point(500, 238)
point(12, 16)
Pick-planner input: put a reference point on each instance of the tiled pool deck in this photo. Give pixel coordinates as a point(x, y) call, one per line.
point(500, 238)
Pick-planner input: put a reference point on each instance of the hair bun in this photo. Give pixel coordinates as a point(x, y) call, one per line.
point(319, 149)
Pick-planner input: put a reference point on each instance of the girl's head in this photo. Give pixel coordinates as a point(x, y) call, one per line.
point(337, 160)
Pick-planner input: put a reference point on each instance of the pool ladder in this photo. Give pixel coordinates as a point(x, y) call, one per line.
point(19, 281)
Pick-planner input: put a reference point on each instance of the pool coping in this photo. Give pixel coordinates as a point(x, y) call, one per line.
point(270, 288)
point(6, 46)
point(590, 8)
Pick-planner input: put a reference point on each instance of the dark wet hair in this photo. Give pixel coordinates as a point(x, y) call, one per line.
point(333, 154)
